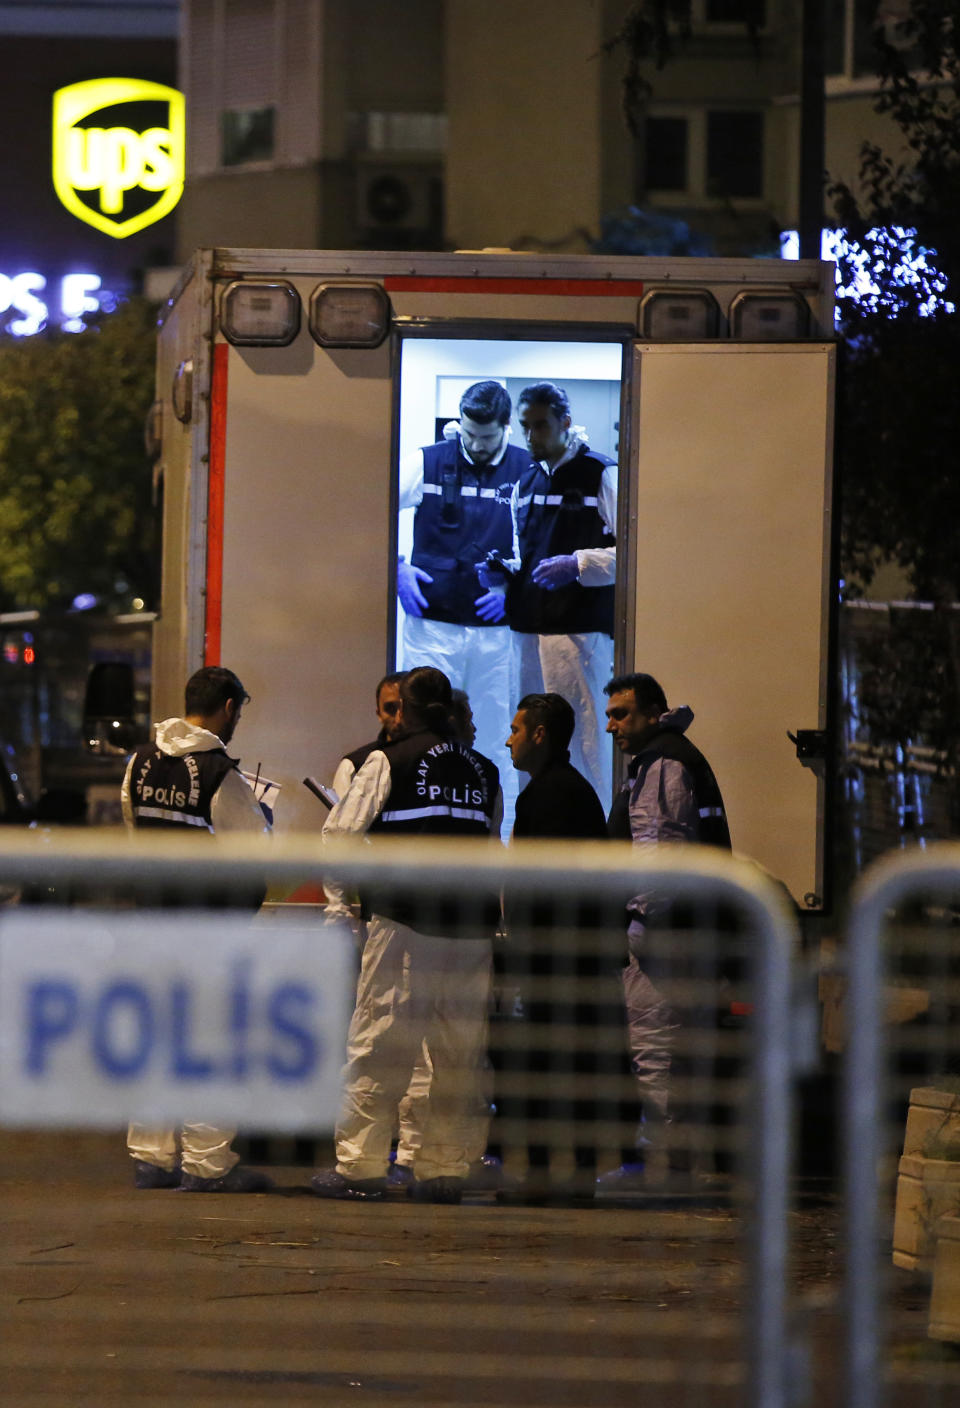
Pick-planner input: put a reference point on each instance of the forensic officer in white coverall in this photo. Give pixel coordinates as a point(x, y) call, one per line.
point(185, 782)
point(559, 593)
point(461, 489)
point(416, 984)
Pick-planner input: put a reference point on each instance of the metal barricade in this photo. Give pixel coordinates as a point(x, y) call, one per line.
point(901, 1092)
point(564, 892)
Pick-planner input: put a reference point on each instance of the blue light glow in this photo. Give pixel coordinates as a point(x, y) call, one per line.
point(40, 301)
point(893, 248)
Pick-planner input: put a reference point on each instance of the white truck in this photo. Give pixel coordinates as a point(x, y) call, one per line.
point(290, 384)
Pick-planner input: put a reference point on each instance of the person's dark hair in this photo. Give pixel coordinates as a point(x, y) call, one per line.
point(545, 393)
point(394, 677)
point(427, 696)
point(486, 402)
point(459, 707)
point(646, 691)
point(557, 716)
point(209, 689)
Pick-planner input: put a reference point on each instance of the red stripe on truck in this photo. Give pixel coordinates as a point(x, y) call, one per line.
point(216, 472)
point(566, 288)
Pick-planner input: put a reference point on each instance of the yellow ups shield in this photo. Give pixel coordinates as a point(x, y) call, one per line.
point(118, 152)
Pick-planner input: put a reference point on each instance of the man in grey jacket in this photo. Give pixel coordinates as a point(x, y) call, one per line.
point(670, 795)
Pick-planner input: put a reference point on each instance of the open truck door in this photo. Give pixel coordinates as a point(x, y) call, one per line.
point(726, 564)
point(279, 532)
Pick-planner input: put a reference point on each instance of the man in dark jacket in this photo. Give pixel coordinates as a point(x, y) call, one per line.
point(558, 801)
point(555, 956)
point(670, 794)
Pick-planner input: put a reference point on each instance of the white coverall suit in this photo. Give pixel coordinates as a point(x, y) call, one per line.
point(414, 988)
point(476, 659)
point(412, 1111)
point(577, 666)
point(202, 1150)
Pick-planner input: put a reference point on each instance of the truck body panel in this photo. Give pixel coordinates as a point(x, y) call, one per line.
point(306, 560)
point(186, 343)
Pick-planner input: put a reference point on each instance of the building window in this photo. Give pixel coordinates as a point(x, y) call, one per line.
point(397, 131)
point(742, 12)
point(734, 154)
point(836, 36)
point(246, 136)
point(727, 16)
point(696, 155)
point(666, 153)
point(850, 39)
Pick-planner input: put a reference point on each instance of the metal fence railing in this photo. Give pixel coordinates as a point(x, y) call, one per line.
point(111, 946)
point(902, 1098)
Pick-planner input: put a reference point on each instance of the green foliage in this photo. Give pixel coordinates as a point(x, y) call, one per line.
point(899, 413)
point(909, 692)
point(652, 33)
point(919, 67)
point(636, 230)
point(899, 428)
point(75, 484)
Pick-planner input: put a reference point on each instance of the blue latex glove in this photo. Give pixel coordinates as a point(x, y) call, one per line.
point(492, 606)
point(411, 597)
point(554, 572)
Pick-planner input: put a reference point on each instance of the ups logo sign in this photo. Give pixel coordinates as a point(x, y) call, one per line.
point(118, 152)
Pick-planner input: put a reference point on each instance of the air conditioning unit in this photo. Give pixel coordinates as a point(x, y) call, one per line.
point(398, 196)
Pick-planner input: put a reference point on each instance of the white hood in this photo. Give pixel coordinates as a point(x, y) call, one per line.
point(577, 438)
point(176, 738)
point(678, 719)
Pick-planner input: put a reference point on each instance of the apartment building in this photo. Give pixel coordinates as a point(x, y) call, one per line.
point(445, 124)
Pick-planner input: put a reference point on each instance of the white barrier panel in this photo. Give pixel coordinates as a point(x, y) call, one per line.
point(172, 1016)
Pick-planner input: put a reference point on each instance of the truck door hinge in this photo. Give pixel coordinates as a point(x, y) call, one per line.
point(811, 746)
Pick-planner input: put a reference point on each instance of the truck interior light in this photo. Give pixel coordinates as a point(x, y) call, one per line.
point(349, 314)
point(679, 315)
point(182, 396)
point(769, 315)
point(260, 314)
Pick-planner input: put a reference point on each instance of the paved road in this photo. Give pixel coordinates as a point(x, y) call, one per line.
point(110, 1296)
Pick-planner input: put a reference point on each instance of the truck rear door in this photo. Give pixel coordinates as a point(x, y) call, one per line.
point(727, 560)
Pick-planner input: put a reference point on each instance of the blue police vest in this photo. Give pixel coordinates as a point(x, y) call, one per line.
point(556, 515)
point(464, 513)
point(168, 791)
point(438, 787)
